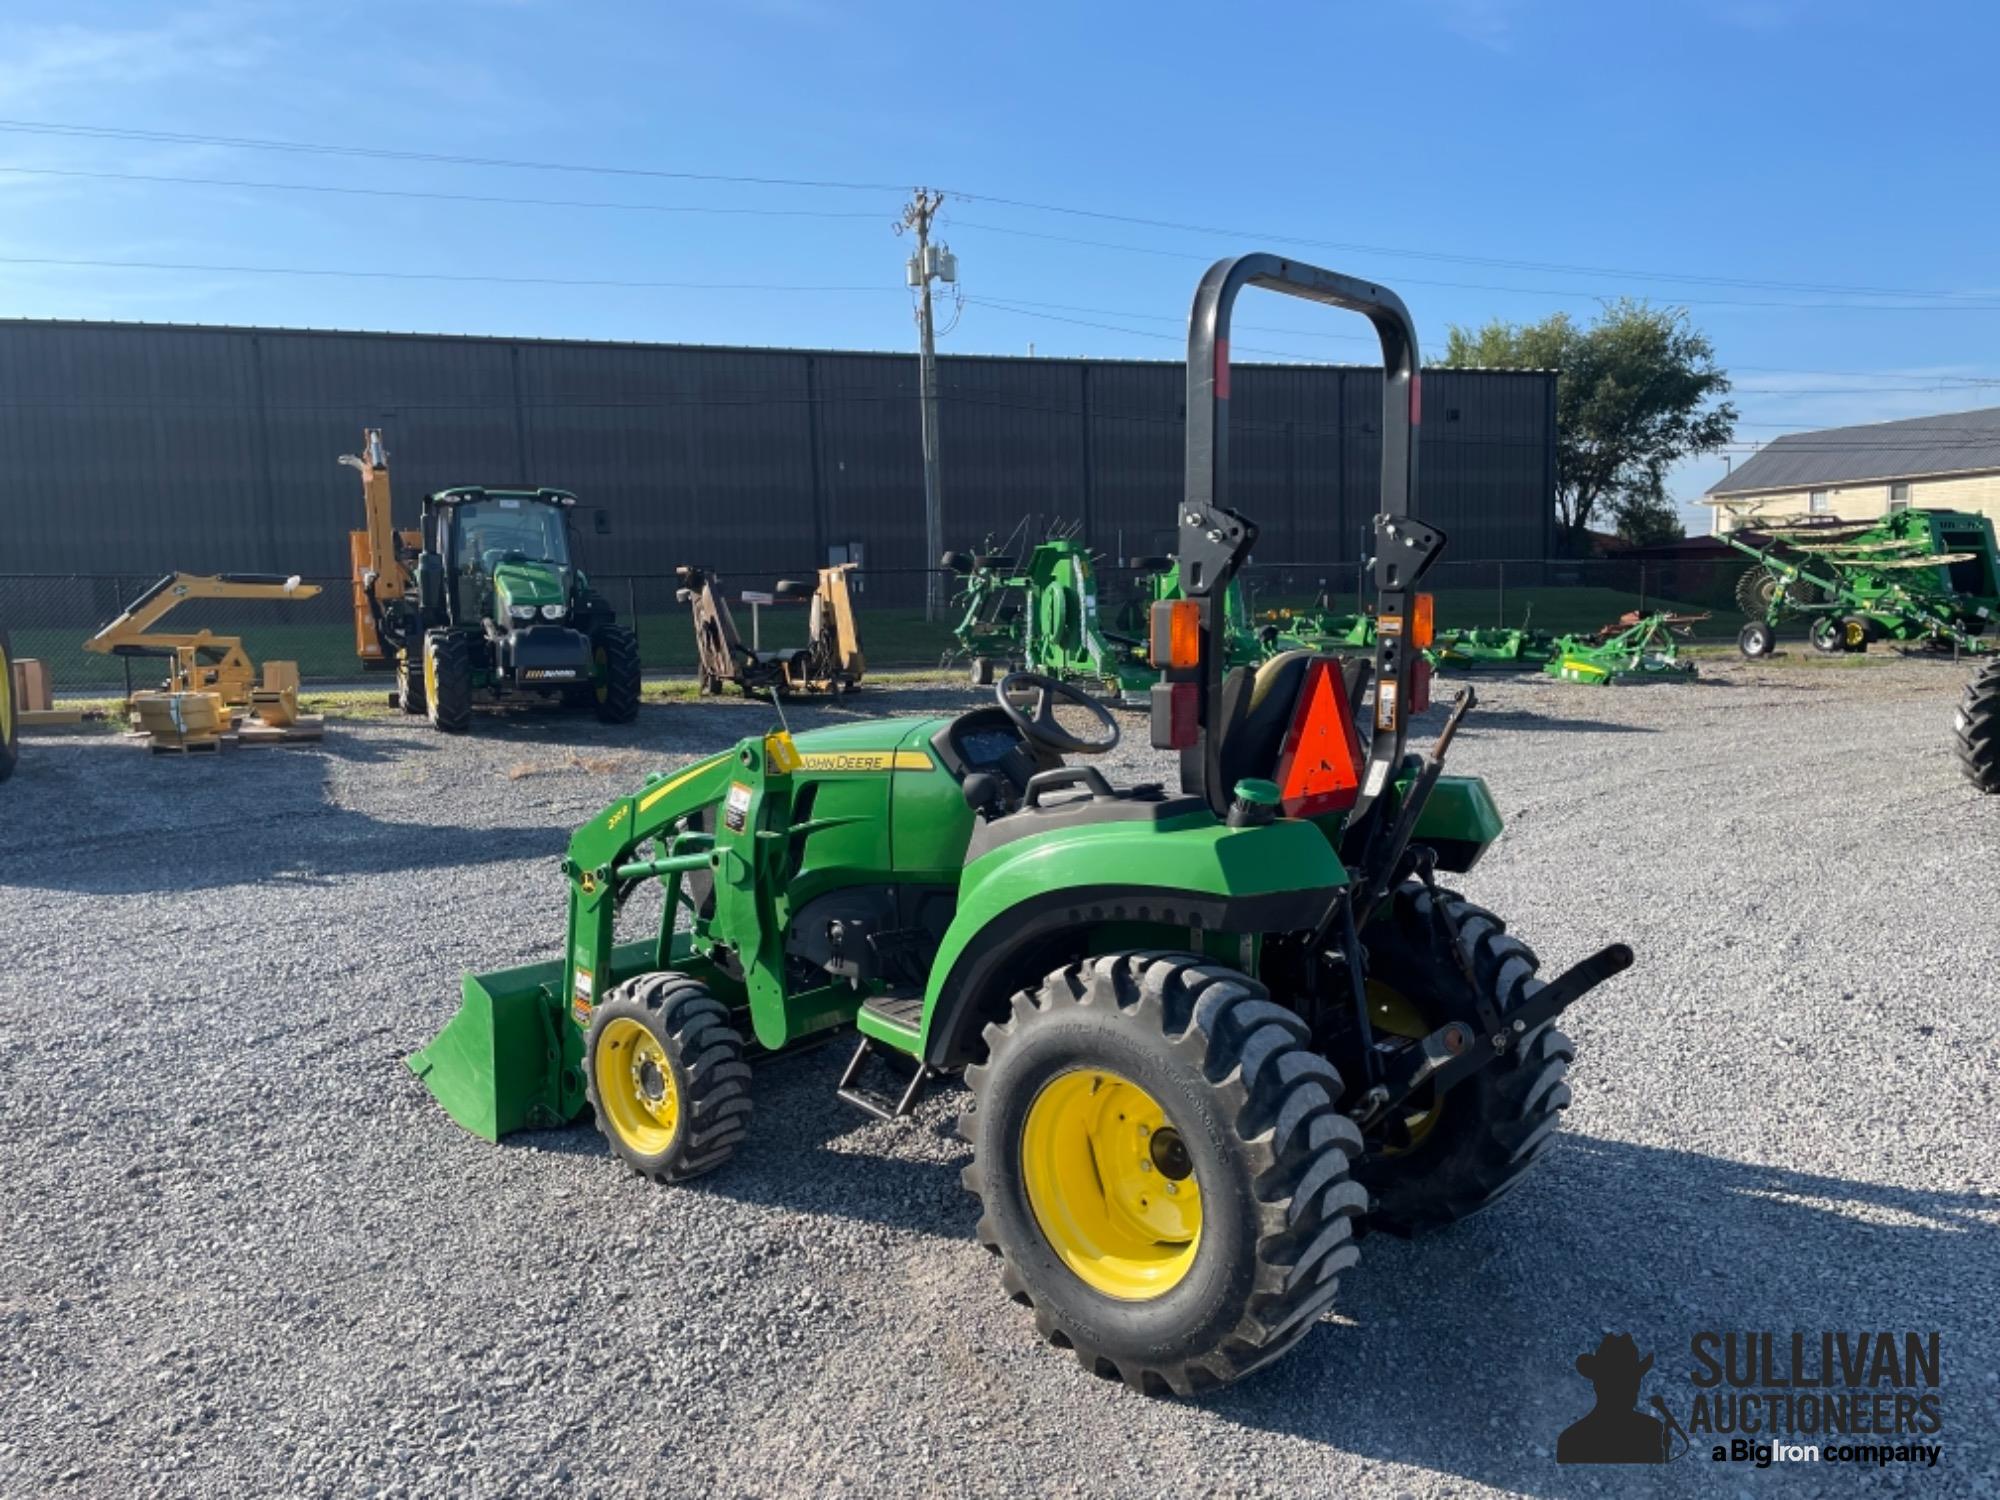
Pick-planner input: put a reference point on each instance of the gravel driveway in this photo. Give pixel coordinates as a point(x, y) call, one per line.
point(243, 1253)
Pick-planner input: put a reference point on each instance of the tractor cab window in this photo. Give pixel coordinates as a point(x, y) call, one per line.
point(491, 532)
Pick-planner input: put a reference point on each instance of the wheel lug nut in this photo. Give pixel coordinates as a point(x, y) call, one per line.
point(1173, 1187)
point(1144, 1165)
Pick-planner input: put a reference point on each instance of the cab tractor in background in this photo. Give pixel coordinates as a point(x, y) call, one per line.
point(484, 598)
point(1207, 1032)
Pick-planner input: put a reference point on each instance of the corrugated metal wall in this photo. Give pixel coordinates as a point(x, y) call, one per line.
point(137, 448)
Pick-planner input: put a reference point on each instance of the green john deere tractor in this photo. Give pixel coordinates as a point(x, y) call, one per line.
point(497, 605)
point(1207, 1032)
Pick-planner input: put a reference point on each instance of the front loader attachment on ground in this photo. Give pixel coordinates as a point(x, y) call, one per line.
point(498, 1065)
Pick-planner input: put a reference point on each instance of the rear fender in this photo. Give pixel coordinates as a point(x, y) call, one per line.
point(1027, 907)
point(1460, 820)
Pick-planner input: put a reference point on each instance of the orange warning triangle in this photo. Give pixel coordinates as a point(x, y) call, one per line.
point(1319, 769)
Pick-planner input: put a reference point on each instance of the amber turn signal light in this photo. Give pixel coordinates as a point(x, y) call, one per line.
point(1175, 634)
point(1423, 617)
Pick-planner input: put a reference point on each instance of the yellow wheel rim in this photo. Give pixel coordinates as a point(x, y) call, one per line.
point(430, 675)
point(1392, 1013)
point(635, 1086)
point(1111, 1185)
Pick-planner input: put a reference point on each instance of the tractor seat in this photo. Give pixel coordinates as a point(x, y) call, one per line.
point(1085, 798)
point(1257, 709)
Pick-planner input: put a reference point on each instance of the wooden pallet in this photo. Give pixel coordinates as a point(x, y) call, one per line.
point(184, 747)
point(302, 731)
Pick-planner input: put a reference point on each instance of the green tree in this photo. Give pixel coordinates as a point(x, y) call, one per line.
point(1636, 392)
point(1647, 518)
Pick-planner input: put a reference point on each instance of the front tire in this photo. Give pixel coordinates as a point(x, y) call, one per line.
point(1463, 1150)
point(615, 666)
point(664, 1072)
point(1976, 729)
point(1161, 1169)
point(1827, 636)
point(409, 685)
point(10, 711)
point(1757, 640)
point(448, 681)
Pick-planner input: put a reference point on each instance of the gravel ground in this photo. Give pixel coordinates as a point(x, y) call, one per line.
point(243, 1253)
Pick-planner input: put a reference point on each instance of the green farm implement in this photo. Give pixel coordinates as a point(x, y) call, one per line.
point(1323, 627)
point(1976, 729)
point(1489, 648)
point(1922, 577)
point(1638, 648)
point(1206, 1032)
point(484, 598)
point(1250, 641)
point(1042, 615)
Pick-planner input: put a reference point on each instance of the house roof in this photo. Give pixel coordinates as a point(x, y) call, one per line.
point(1951, 443)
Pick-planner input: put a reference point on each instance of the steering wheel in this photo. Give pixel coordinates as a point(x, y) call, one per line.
point(1041, 726)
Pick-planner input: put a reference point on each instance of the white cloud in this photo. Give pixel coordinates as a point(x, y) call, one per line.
point(1488, 23)
point(59, 62)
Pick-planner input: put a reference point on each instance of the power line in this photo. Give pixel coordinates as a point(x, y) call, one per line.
point(490, 198)
point(310, 148)
point(454, 276)
point(1526, 291)
point(1140, 333)
point(250, 143)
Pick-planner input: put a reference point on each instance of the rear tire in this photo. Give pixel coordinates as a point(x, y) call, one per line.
point(10, 711)
point(982, 671)
point(1482, 1137)
point(409, 685)
point(1170, 1295)
point(1976, 729)
point(615, 663)
point(664, 1072)
point(448, 681)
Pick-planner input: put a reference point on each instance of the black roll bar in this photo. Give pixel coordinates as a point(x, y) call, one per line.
point(1215, 539)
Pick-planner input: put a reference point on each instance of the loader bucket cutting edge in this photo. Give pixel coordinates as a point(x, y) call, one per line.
point(496, 1067)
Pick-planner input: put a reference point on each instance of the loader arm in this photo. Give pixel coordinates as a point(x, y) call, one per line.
point(232, 672)
point(380, 576)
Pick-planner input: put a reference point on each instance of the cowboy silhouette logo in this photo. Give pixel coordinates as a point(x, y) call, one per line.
point(1615, 1431)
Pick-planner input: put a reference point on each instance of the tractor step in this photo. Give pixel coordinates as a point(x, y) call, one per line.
point(882, 1106)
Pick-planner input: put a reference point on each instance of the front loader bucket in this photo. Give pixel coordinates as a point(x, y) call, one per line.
point(498, 1065)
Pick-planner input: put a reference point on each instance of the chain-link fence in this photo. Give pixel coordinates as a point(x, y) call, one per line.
point(51, 616)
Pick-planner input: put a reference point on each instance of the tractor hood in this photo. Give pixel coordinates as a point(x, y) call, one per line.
point(529, 583)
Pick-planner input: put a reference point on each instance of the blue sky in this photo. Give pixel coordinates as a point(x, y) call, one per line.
point(1813, 181)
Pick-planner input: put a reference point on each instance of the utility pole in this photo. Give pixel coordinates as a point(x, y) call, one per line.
point(930, 263)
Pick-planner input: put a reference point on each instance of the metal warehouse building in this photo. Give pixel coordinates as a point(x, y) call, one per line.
point(135, 448)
